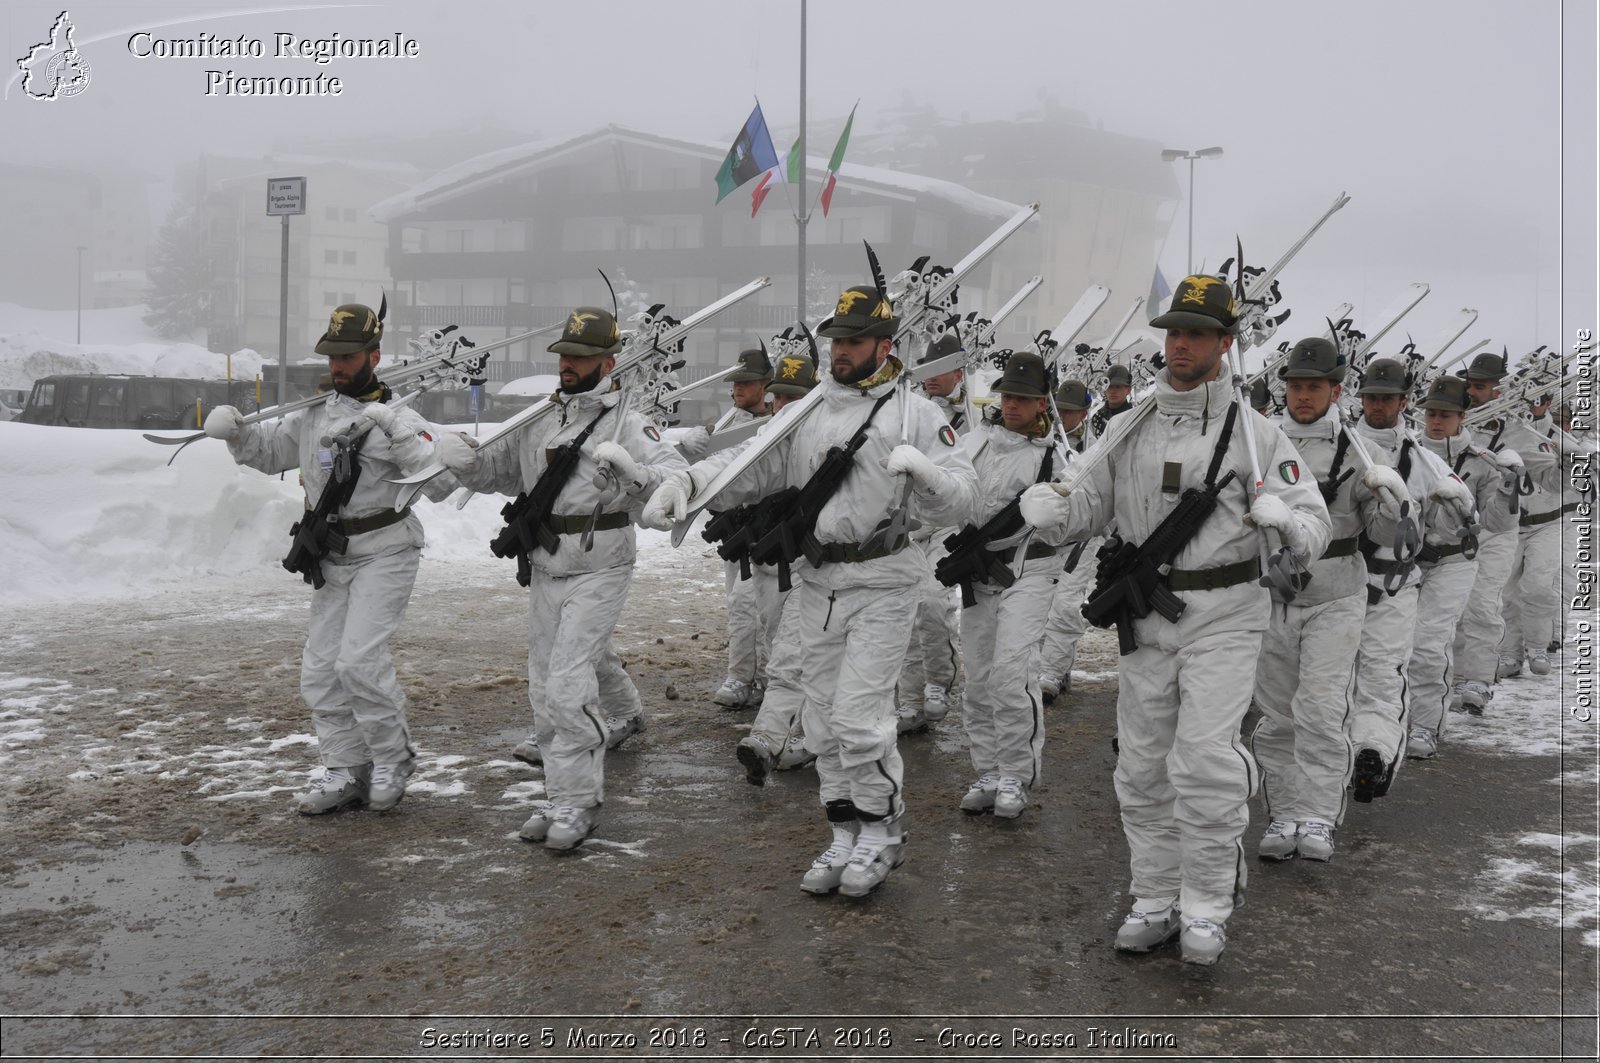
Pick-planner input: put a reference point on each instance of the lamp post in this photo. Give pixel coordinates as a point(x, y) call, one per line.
point(81, 250)
point(1174, 154)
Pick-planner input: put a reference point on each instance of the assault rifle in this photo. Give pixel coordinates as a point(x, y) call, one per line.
point(1129, 581)
point(313, 535)
point(736, 531)
point(528, 515)
point(971, 558)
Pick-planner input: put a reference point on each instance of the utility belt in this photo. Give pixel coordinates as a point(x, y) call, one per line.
point(1034, 552)
point(1533, 520)
point(850, 553)
point(1432, 555)
point(362, 525)
point(578, 523)
point(1341, 547)
point(1214, 579)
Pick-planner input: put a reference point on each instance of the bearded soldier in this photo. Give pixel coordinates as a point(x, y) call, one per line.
point(1378, 711)
point(1182, 778)
point(1448, 569)
point(1002, 710)
point(347, 677)
point(1308, 652)
point(1518, 451)
point(857, 607)
point(575, 596)
point(928, 674)
point(1058, 648)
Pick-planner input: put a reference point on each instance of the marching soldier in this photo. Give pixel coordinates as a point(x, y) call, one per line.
point(754, 603)
point(1378, 713)
point(1530, 597)
point(1058, 648)
point(1518, 452)
point(347, 677)
point(1449, 561)
point(1308, 652)
point(928, 674)
point(1182, 779)
point(857, 607)
point(575, 596)
point(1002, 711)
point(776, 741)
point(1119, 385)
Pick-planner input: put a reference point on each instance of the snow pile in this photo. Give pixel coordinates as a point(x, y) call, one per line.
point(33, 345)
point(93, 513)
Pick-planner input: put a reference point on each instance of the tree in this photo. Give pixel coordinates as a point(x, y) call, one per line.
point(180, 276)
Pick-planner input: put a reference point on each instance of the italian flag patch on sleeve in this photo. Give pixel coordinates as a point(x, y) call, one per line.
point(947, 436)
point(1290, 471)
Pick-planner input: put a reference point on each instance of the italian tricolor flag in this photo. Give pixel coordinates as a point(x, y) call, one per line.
point(788, 169)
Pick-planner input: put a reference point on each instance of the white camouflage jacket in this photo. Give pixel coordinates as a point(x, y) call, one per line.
point(295, 441)
point(1007, 463)
point(516, 462)
point(1482, 475)
point(868, 491)
point(1353, 511)
point(1127, 489)
point(1422, 469)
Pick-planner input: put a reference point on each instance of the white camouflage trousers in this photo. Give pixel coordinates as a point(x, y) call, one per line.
point(851, 639)
point(1001, 708)
point(1183, 779)
point(1378, 718)
point(1303, 689)
point(1530, 596)
point(346, 673)
point(932, 655)
point(1441, 598)
point(779, 715)
point(1065, 625)
point(570, 624)
point(753, 607)
point(1477, 634)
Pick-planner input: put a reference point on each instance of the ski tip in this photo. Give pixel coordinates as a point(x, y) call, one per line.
point(679, 530)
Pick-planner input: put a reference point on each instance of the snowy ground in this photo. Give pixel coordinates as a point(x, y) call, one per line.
point(150, 737)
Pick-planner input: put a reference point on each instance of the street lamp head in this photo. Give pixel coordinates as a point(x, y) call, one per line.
point(1207, 153)
point(1170, 154)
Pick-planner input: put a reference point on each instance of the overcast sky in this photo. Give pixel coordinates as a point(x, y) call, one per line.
point(1453, 124)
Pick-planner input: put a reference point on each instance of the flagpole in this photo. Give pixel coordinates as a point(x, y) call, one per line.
point(803, 214)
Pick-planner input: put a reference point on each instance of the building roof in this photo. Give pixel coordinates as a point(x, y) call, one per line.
point(496, 166)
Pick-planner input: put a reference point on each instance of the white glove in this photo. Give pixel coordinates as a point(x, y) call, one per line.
point(617, 457)
point(224, 422)
point(381, 416)
point(456, 451)
point(1270, 511)
point(1045, 505)
point(1455, 496)
point(670, 503)
point(1507, 459)
point(914, 463)
point(1388, 486)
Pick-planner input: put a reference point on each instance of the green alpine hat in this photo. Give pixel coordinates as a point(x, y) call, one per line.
point(1383, 376)
point(1447, 393)
point(352, 328)
point(1072, 395)
point(945, 345)
point(1313, 358)
point(1023, 375)
point(590, 332)
point(1485, 367)
point(794, 377)
point(1201, 302)
point(1119, 376)
point(753, 365)
point(860, 312)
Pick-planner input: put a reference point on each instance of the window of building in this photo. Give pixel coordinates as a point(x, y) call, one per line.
point(331, 214)
point(330, 258)
point(349, 258)
point(349, 214)
point(330, 298)
point(349, 297)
